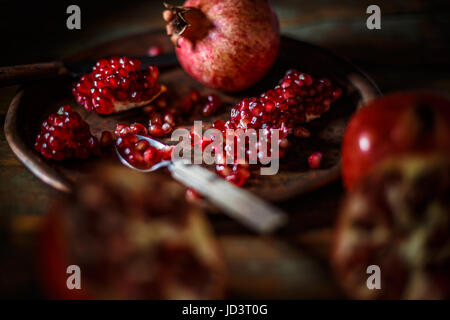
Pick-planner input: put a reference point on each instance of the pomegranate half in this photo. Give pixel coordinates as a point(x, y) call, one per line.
point(226, 44)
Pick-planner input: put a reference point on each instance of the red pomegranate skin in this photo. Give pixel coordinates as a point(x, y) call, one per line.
point(238, 49)
point(399, 123)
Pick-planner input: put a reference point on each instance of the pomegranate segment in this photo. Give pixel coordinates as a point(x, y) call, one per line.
point(240, 40)
point(117, 85)
point(65, 135)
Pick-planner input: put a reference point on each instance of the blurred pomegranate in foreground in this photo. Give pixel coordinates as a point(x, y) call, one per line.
point(224, 44)
point(399, 123)
point(397, 218)
point(133, 237)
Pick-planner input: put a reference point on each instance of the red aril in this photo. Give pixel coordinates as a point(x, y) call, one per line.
point(65, 135)
point(117, 84)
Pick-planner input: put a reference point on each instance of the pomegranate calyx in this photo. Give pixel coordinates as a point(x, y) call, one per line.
point(179, 18)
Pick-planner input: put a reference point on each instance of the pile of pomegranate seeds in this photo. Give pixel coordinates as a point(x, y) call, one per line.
point(138, 153)
point(296, 100)
point(106, 140)
point(160, 124)
point(162, 119)
point(116, 85)
point(65, 135)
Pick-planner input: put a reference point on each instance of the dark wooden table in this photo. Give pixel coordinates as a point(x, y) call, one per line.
point(412, 50)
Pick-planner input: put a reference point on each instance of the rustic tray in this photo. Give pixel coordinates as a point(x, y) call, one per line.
point(36, 101)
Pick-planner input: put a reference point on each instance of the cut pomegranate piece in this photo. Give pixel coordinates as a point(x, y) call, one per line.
point(397, 218)
point(134, 237)
point(107, 139)
point(117, 85)
point(65, 135)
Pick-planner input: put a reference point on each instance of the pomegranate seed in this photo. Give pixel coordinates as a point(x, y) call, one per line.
point(136, 159)
point(314, 160)
point(118, 129)
point(155, 51)
point(186, 105)
point(155, 119)
point(149, 155)
point(166, 128)
point(166, 153)
point(130, 138)
point(149, 109)
point(208, 109)
point(301, 132)
point(156, 130)
point(116, 80)
point(168, 118)
point(194, 96)
point(142, 145)
point(223, 170)
point(214, 100)
point(161, 103)
point(192, 195)
point(219, 125)
point(138, 128)
point(236, 179)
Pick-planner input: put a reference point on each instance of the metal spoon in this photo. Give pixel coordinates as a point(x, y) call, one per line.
point(238, 203)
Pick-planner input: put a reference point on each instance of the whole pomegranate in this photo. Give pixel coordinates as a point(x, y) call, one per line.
point(224, 44)
point(404, 122)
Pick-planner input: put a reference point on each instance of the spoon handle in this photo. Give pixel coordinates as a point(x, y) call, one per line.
point(236, 202)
